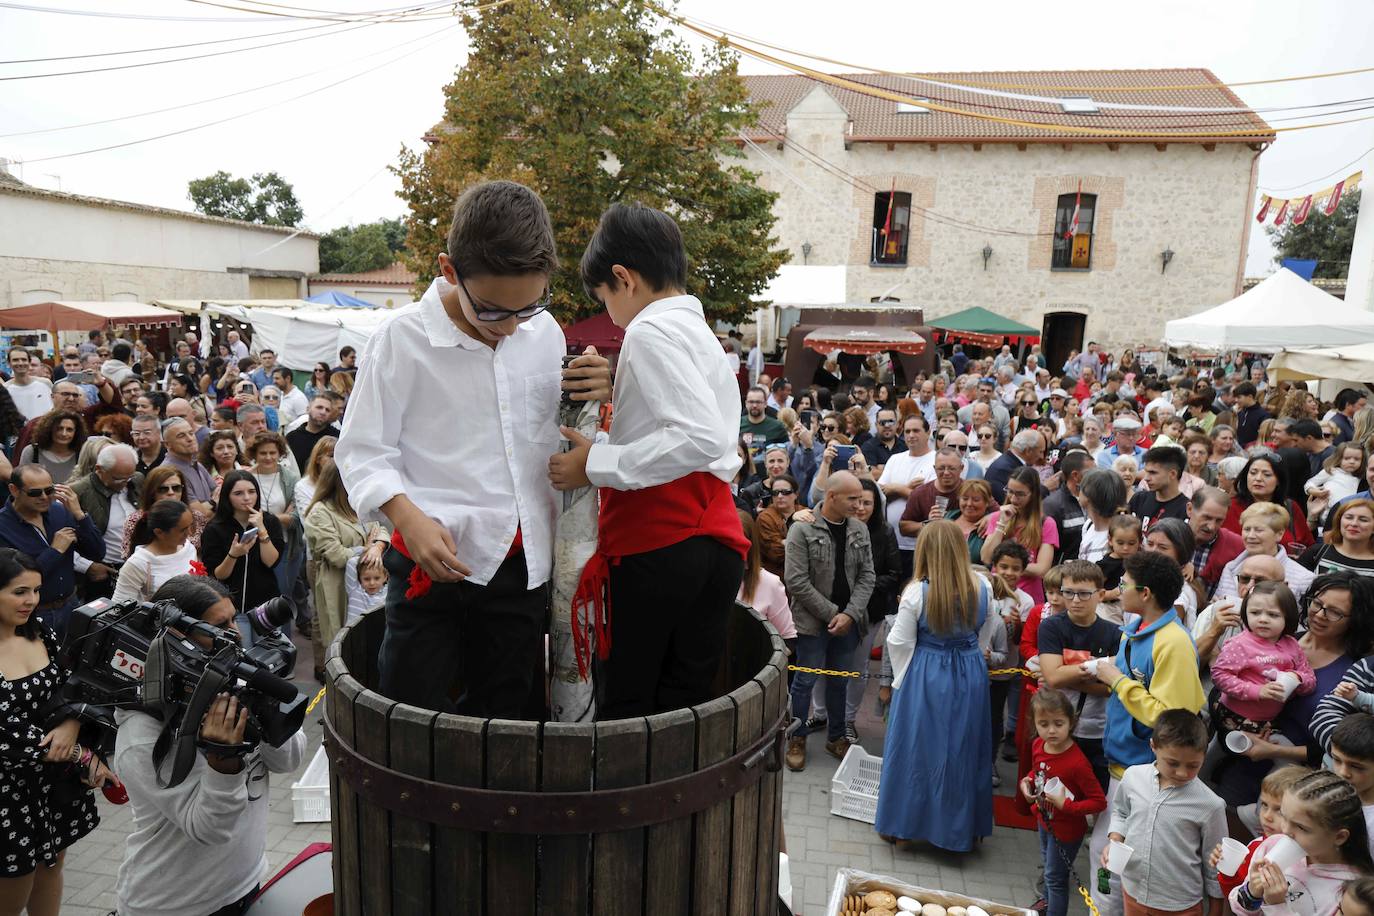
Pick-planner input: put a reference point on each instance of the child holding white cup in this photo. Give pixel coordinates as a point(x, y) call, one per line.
point(1323, 818)
point(1258, 670)
point(1272, 790)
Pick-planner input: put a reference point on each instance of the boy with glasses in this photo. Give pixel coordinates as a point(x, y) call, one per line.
point(671, 550)
point(447, 434)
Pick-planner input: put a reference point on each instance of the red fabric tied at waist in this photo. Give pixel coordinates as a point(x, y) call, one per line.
point(638, 521)
point(420, 582)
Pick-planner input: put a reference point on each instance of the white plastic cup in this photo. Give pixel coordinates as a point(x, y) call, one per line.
point(1288, 681)
point(1055, 788)
point(1118, 854)
point(1285, 853)
point(1090, 666)
point(1233, 854)
point(1239, 743)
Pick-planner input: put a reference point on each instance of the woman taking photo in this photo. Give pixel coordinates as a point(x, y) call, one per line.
point(335, 536)
point(1022, 521)
point(1263, 480)
point(241, 546)
point(163, 549)
point(937, 756)
point(57, 440)
point(1101, 495)
point(219, 454)
point(45, 800)
point(162, 482)
point(319, 381)
point(1349, 545)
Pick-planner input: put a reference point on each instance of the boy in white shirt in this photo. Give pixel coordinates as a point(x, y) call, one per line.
point(670, 554)
point(450, 424)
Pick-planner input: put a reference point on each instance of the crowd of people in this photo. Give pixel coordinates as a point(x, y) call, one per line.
point(140, 477)
point(1152, 581)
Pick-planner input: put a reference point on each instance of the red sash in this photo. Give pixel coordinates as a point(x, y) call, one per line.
point(638, 521)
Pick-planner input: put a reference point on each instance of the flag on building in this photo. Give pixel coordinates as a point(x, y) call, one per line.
point(1073, 222)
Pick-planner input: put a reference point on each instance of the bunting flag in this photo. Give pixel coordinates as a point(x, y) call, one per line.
point(1327, 199)
point(1073, 223)
point(891, 199)
point(1304, 208)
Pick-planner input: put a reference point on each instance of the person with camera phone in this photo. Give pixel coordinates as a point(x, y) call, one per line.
point(199, 846)
point(242, 544)
point(46, 775)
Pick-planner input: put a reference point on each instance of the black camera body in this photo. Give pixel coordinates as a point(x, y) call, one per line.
point(135, 655)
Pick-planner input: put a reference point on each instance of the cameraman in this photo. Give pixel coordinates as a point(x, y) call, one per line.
point(199, 847)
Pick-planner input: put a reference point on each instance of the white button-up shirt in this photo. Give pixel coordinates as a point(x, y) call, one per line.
point(677, 405)
point(463, 430)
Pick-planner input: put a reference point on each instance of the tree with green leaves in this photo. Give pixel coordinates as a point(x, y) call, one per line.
point(590, 102)
point(1327, 240)
point(266, 198)
point(354, 249)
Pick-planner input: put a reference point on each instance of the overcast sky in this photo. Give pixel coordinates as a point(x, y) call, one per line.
point(334, 145)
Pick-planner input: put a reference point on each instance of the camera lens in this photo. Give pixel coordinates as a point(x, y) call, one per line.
point(269, 616)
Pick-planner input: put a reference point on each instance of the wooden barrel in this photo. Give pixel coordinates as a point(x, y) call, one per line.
point(675, 813)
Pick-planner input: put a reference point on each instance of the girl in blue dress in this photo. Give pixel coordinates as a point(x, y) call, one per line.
point(937, 759)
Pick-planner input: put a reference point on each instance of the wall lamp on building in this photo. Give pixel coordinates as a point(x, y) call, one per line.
point(1165, 257)
point(987, 255)
point(806, 251)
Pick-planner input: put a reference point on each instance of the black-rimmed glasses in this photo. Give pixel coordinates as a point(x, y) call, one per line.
point(493, 315)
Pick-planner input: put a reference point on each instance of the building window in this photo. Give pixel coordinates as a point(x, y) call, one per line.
point(891, 227)
point(1073, 247)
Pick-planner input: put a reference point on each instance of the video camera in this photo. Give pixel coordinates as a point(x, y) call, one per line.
point(135, 655)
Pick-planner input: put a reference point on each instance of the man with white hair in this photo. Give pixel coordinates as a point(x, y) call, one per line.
point(1007, 389)
point(109, 496)
point(1126, 430)
point(237, 346)
point(1027, 448)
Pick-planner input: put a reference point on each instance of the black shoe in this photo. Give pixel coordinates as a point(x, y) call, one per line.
point(814, 724)
point(851, 734)
point(1009, 751)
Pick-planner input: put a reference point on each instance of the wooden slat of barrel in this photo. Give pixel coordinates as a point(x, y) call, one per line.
point(668, 871)
point(565, 861)
point(375, 627)
point(344, 689)
point(744, 818)
point(711, 830)
point(512, 859)
point(412, 850)
point(618, 858)
point(458, 854)
point(774, 681)
point(370, 711)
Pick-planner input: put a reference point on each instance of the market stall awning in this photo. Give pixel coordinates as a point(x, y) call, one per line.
point(865, 340)
point(1353, 363)
point(597, 331)
point(88, 316)
point(983, 328)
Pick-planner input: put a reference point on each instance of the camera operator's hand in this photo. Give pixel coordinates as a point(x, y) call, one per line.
point(224, 724)
point(60, 741)
point(63, 539)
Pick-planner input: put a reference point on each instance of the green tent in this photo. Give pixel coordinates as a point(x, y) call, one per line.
point(980, 321)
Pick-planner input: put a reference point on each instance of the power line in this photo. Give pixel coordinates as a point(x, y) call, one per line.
point(149, 17)
point(1303, 184)
point(276, 104)
point(193, 44)
point(334, 17)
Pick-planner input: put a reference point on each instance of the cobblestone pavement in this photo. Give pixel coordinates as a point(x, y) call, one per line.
point(1003, 869)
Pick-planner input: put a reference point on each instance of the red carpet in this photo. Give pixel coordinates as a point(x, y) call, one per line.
point(1004, 814)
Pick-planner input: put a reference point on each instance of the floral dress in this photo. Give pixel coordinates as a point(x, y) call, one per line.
point(39, 814)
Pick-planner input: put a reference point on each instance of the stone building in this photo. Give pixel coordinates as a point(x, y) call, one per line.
point(976, 211)
point(56, 246)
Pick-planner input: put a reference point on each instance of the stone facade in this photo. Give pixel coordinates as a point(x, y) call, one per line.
point(1183, 197)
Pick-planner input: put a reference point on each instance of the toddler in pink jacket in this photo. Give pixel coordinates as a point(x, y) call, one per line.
point(1261, 668)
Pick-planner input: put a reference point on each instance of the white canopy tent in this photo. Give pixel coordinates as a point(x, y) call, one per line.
point(1282, 312)
point(301, 333)
point(1353, 362)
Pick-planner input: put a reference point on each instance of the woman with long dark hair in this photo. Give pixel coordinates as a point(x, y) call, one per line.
point(242, 544)
point(1264, 479)
point(46, 803)
point(319, 381)
point(163, 550)
point(162, 482)
point(1023, 521)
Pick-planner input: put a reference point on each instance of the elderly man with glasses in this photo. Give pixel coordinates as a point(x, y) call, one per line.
point(109, 496)
point(1220, 620)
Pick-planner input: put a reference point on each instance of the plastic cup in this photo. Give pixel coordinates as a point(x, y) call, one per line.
point(1232, 856)
point(1055, 788)
point(1288, 681)
point(1090, 666)
point(1118, 854)
point(1239, 742)
point(1285, 853)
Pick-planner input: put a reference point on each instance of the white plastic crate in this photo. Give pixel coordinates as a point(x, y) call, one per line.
point(310, 794)
point(854, 787)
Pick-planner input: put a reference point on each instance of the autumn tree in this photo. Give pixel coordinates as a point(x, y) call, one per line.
point(1328, 240)
point(266, 198)
point(591, 102)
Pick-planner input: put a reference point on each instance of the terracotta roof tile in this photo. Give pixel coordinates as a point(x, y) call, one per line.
point(394, 274)
point(878, 119)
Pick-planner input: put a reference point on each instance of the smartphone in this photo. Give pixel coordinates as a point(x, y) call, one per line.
point(842, 455)
point(81, 378)
point(806, 418)
point(248, 535)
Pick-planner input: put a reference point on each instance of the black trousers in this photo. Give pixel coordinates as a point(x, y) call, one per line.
point(489, 637)
point(669, 609)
